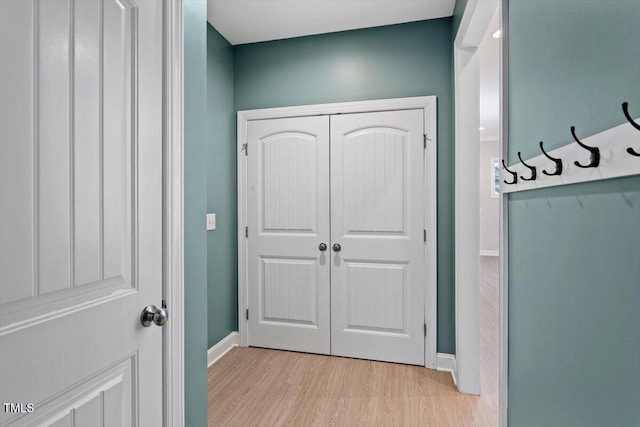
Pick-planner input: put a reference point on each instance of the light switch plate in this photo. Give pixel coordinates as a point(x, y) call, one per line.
point(211, 221)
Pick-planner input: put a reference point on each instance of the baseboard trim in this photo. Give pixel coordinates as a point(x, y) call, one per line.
point(222, 347)
point(489, 253)
point(447, 363)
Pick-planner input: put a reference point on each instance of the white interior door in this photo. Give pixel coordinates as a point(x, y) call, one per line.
point(80, 212)
point(288, 220)
point(377, 217)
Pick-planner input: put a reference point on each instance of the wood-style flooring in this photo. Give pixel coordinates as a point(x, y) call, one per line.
point(260, 387)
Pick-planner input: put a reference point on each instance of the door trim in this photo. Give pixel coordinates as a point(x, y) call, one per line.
point(428, 105)
point(172, 207)
point(475, 20)
point(503, 274)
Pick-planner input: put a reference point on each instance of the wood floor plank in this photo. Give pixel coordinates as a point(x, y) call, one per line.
point(262, 387)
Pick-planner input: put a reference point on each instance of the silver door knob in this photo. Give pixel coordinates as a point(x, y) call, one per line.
point(322, 247)
point(337, 247)
point(152, 314)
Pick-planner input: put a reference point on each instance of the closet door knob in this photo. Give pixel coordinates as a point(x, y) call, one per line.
point(322, 247)
point(154, 315)
point(337, 247)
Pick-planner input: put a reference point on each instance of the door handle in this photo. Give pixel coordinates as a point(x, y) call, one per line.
point(337, 247)
point(322, 247)
point(152, 314)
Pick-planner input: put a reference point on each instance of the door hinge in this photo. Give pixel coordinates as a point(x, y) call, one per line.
point(247, 314)
point(425, 235)
point(246, 231)
point(426, 138)
point(245, 148)
point(425, 329)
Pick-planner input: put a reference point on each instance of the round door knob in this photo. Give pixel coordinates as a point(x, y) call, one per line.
point(322, 247)
point(152, 314)
point(337, 247)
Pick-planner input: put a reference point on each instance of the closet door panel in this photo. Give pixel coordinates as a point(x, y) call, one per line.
point(377, 218)
point(288, 218)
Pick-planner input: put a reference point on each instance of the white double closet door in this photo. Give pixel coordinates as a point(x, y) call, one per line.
point(336, 252)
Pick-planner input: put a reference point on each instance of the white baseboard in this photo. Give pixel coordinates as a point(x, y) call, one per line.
point(222, 347)
point(447, 363)
point(489, 253)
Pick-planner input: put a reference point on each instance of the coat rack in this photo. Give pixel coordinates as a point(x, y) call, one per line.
point(612, 153)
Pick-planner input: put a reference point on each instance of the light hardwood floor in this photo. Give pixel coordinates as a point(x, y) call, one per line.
point(260, 387)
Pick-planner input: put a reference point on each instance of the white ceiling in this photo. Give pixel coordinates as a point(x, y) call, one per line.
point(249, 21)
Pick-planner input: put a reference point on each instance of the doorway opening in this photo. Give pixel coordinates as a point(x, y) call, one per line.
point(242, 233)
point(480, 217)
point(489, 212)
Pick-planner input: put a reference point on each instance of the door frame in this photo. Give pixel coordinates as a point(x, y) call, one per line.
point(172, 210)
point(428, 105)
point(475, 21)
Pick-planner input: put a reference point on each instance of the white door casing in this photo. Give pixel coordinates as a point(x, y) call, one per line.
point(475, 21)
point(288, 218)
point(427, 106)
point(80, 212)
point(377, 216)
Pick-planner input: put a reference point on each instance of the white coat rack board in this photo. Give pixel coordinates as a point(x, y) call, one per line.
point(612, 153)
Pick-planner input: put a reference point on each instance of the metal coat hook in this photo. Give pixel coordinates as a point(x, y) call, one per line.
point(534, 171)
point(515, 174)
point(625, 110)
point(558, 163)
point(595, 152)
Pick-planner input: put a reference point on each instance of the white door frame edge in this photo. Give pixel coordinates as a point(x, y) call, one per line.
point(428, 104)
point(475, 21)
point(173, 256)
point(503, 273)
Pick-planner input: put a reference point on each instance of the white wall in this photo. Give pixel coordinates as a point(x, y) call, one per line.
point(489, 75)
point(489, 206)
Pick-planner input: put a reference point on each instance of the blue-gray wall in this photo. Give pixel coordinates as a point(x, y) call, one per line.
point(222, 243)
point(387, 62)
point(195, 206)
point(574, 251)
point(458, 11)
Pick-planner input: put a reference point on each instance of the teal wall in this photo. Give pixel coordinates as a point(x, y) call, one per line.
point(395, 61)
point(458, 11)
point(574, 251)
point(195, 207)
point(222, 243)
